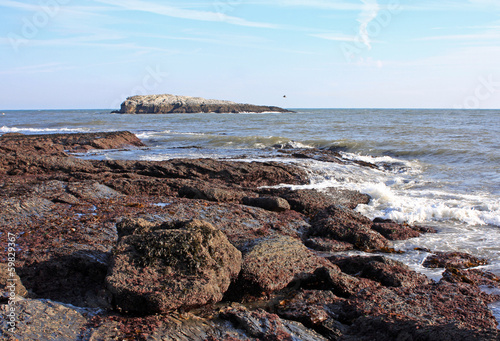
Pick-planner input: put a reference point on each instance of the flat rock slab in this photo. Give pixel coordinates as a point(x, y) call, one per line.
point(274, 263)
point(457, 260)
point(186, 264)
point(44, 320)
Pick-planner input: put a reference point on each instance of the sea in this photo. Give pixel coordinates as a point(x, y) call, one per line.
point(437, 168)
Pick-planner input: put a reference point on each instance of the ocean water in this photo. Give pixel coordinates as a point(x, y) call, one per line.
point(438, 168)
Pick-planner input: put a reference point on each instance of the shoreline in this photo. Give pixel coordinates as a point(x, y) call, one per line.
point(73, 206)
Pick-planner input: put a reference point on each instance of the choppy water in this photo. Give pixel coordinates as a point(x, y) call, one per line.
point(437, 167)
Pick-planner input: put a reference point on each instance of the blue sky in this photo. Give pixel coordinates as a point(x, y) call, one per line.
point(62, 54)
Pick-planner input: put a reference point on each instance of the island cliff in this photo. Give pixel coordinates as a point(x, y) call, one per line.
point(167, 104)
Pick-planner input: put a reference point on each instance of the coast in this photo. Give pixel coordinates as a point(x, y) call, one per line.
point(202, 249)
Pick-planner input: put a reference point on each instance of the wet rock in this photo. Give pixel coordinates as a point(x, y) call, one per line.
point(457, 260)
point(311, 201)
point(10, 283)
point(275, 204)
point(384, 270)
point(91, 191)
point(23, 209)
point(44, 320)
point(188, 265)
point(275, 262)
point(340, 223)
point(265, 326)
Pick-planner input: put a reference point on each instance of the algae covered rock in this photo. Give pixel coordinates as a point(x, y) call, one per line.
point(177, 265)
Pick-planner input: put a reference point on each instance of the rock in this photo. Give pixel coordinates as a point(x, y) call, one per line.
point(91, 191)
point(186, 265)
point(394, 231)
point(341, 284)
point(57, 144)
point(457, 260)
point(431, 312)
point(275, 204)
point(73, 274)
point(166, 104)
point(384, 270)
point(311, 201)
point(317, 309)
point(343, 224)
point(23, 209)
point(325, 244)
point(211, 194)
point(10, 283)
point(261, 325)
point(44, 320)
point(275, 262)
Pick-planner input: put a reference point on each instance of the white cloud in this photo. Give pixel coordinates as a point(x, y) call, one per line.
point(177, 12)
point(369, 13)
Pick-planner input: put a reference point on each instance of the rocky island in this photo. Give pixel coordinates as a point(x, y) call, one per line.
point(170, 104)
point(202, 249)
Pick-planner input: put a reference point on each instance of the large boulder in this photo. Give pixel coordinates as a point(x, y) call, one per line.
point(183, 264)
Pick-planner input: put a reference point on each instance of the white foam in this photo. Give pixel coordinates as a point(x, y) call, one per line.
point(6, 129)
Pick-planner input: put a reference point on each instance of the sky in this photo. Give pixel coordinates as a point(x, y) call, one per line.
point(68, 54)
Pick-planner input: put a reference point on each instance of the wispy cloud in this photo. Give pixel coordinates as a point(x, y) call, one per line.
point(334, 36)
point(182, 13)
point(369, 13)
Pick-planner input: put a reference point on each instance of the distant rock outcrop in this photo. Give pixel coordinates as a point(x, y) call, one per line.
point(169, 104)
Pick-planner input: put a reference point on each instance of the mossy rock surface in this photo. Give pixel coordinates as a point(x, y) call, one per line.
point(179, 265)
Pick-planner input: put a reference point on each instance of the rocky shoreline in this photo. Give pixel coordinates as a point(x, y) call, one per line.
point(172, 104)
point(201, 249)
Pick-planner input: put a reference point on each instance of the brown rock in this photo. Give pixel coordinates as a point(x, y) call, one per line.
point(343, 224)
point(188, 265)
point(10, 283)
point(275, 204)
point(457, 260)
point(274, 263)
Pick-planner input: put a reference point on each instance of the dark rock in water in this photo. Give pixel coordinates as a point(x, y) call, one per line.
point(457, 260)
point(343, 224)
point(167, 104)
point(310, 201)
point(394, 231)
point(182, 265)
point(274, 263)
point(275, 204)
point(386, 271)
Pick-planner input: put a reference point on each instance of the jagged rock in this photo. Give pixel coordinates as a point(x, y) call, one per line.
point(275, 204)
point(457, 260)
point(10, 283)
point(187, 264)
point(165, 104)
point(265, 326)
point(275, 262)
point(386, 271)
point(325, 244)
point(317, 309)
point(343, 224)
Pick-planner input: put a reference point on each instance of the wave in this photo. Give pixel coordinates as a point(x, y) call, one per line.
point(6, 129)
